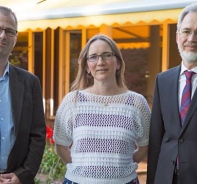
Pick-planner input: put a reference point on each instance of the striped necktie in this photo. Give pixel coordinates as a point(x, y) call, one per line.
point(186, 95)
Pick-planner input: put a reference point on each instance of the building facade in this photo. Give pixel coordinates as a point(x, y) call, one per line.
point(49, 48)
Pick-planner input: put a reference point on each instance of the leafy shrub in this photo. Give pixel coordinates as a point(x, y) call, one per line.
point(52, 167)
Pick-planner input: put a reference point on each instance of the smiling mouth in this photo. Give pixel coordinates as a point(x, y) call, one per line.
point(2, 44)
point(102, 70)
point(191, 45)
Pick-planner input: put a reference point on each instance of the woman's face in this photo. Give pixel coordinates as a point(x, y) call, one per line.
point(102, 67)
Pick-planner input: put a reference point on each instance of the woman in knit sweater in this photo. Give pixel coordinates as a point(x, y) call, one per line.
point(101, 128)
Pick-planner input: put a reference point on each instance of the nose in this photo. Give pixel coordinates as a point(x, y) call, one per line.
point(2, 33)
point(100, 61)
point(100, 58)
point(192, 36)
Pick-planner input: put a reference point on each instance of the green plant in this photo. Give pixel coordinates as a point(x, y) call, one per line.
point(51, 168)
point(19, 58)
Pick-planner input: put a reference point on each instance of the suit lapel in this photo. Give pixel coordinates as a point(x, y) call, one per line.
point(16, 93)
point(174, 100)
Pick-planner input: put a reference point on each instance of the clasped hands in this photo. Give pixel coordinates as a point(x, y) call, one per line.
point(9, 178)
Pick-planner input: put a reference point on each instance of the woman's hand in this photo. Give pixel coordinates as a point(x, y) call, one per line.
point(64, 153)
point(140, 153)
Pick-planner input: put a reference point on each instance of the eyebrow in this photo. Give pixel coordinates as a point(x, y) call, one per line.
point(8, 28)
point(186, 28)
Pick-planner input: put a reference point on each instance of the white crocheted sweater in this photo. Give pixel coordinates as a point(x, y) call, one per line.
point(103, 131)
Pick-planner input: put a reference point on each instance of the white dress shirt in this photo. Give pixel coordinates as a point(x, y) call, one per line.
point(182, 81)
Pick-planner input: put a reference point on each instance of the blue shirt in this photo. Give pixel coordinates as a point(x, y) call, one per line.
point(6, 122)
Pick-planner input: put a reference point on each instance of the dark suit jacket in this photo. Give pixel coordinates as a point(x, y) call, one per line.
point(29, 125)
point(167, 138)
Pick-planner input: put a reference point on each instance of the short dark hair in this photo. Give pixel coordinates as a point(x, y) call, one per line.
point(6, 11)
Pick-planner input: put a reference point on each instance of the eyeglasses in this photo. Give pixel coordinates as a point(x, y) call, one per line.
point(9, 32)
point(185, 33)
point(105, 56)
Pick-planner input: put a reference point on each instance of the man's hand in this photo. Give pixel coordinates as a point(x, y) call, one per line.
point(9, 178)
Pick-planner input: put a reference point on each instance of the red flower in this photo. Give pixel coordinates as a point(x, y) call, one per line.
point(52, 141)
point(49, 134)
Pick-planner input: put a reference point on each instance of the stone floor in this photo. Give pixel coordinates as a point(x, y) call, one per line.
point(142, 178)
point(142, 172)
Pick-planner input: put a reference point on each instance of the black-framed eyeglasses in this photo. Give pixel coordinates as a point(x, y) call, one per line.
point(185, 33)
point(105, 56)
point(9, 32)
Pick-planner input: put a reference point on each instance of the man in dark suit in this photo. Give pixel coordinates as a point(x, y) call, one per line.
point(22, 124)
point(173, 131)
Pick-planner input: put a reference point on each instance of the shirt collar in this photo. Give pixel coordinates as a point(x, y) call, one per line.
point(183, 68)
point(6, 72)
point(6, 69)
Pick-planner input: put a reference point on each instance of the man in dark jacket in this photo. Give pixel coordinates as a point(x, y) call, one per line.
point(22, 123)
point(173, 129)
